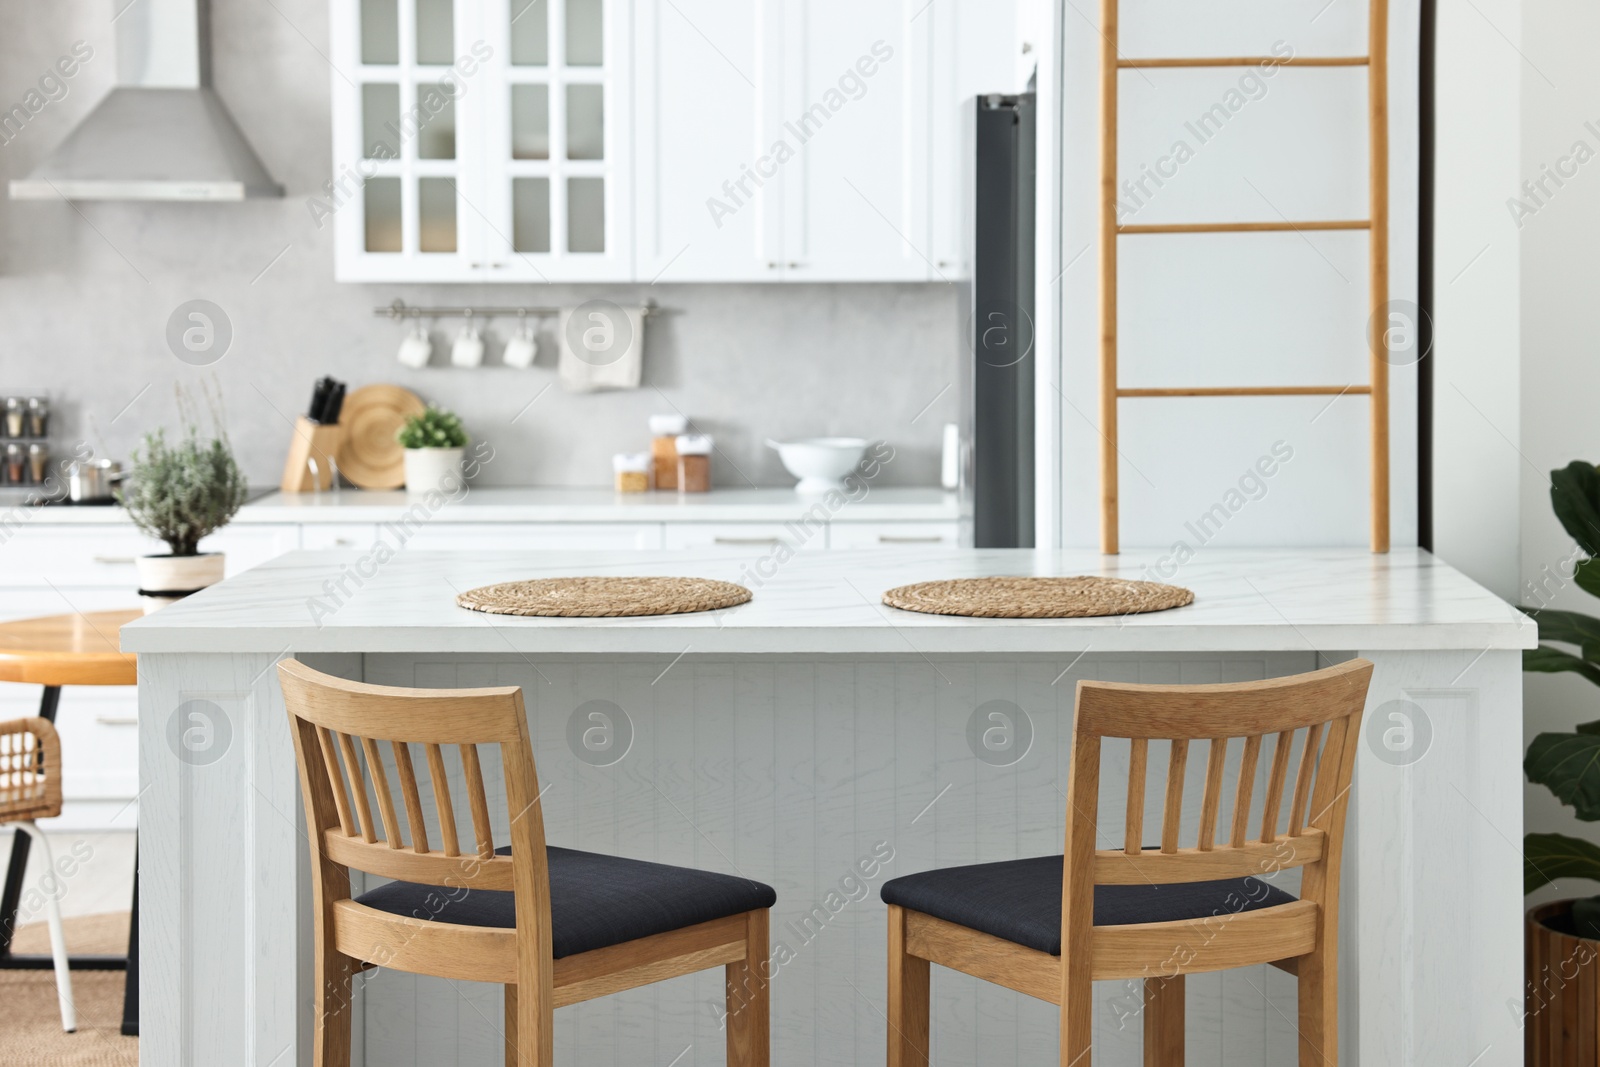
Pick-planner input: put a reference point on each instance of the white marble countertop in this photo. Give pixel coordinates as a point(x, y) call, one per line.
point(502, 504)
point(830, 603)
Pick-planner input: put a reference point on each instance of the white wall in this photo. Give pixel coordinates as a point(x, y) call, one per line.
point(1477, 270)
point(1560, 372)
point(1278, 309)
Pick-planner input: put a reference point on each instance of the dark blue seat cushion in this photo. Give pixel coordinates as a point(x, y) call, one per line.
point(1020, 900)
point(595, 900)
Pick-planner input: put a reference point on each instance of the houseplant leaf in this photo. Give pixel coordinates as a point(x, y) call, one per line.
point(1546, 857)
point(1587, 576)
point(1575, 496)
point(1569, 766)
point(1547, 660)
point(1568, 627)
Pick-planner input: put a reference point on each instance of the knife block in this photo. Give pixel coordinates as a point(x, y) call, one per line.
point(309, 467)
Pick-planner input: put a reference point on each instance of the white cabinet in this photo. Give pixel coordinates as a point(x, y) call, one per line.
point(846, 535)
point(856, 81)
point(975, 51)
point(676, 140)
point(754, 538)
point(480, 141)
point(708, 110)
point(515, 536)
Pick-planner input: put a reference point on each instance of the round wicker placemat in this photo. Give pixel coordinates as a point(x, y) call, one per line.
point(595, 597)
point(1037, 598)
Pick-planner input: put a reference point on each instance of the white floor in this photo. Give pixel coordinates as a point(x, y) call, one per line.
point(94, 873)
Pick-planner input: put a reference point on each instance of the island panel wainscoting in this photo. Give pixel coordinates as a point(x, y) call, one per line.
point(821, 742)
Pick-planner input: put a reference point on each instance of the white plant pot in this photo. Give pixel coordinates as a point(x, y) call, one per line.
point(165, 578)
point(433, 468)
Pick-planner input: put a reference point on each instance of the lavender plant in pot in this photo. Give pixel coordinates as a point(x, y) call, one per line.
point(180, 493)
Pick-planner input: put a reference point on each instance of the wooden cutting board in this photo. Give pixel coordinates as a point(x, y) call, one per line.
point(368, 454)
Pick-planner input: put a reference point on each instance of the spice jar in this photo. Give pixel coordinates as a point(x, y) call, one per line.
point(633, 471)
point(14, 413)
point(664, 431)
point(38, 416)
point(38, 461)
point(694, 463)
point(16, 464)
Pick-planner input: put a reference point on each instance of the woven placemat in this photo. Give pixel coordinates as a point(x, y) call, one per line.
point(1037, 598)
point(592, 597)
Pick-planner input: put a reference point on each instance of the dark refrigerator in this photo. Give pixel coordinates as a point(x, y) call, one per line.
point(998, 404)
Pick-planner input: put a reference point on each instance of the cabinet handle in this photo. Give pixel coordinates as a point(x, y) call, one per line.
point(947, 263)
point(113, 559)
point(746, 540)
point(774, 266)
point(890, 539)
point(343, 542)
point(794, 265)
point(117, 720)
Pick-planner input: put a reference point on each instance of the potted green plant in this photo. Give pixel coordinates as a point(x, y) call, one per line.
point(435, 444)
point(1564, 936)
point(180, 493)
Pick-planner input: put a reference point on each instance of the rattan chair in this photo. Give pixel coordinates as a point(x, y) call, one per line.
point(30, 788)
point(1051, 926)
point(554, 926)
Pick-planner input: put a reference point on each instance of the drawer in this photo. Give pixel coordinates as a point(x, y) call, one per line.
point(747, 537)
point(84, 556)
point(893, 534)
point(338, 535)
point(510, 536)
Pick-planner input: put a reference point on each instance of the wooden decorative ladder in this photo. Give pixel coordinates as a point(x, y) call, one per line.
point(1377, 223)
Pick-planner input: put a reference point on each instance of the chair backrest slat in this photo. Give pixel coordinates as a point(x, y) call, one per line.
point(441, 801)
point(1324, 707)
point(380, 789)
point(409, 794)
point(1246, 791)
point(332, 718)
point(1177, 762)
point(341, 797)
point(1138, 764)
point(1210, 804)
point(352, 767)
point(1303, 779)
point(1275, 783)
point(477, 800)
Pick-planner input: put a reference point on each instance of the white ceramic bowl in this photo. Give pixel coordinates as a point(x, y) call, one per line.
point(821, 463)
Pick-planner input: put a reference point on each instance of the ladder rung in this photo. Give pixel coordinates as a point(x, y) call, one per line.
point(1253, 390)
point(1247, 61)
point(1245, 227)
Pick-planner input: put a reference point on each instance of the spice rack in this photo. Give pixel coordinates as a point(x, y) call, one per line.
point(24, 440)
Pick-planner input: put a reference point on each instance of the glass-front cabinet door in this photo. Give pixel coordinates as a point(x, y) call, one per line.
point(478, 140)
point(556, 129)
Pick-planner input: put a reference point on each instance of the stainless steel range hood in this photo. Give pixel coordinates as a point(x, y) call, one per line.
point(162, 133)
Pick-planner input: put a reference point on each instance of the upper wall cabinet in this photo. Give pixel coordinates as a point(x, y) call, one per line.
point(655, 140)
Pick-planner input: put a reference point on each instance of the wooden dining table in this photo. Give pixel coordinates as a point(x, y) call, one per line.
point(53, 651)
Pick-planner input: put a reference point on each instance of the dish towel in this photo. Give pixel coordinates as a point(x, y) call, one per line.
point(602, 347)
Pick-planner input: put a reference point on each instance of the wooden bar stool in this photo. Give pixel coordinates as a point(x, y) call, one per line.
point(1050, 926)
point(54, 651)
point(553, 925)
point(30, 788)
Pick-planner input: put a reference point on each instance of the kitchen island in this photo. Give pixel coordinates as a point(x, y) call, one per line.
point(790, 738)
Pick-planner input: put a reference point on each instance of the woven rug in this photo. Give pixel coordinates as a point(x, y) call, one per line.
point(30, 1024)
point(593, 597)
point(1037, 598)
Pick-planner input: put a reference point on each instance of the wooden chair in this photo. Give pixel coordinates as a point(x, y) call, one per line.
point(1049, 927)
point(30, 788)
point(553, 925)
